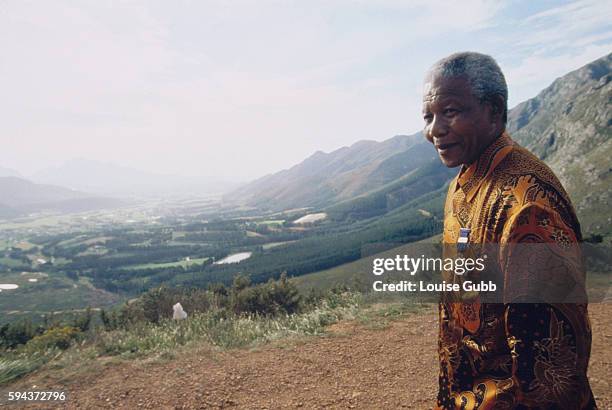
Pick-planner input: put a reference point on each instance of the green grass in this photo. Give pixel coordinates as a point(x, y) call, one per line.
point(356, 273)
point(271, 222)
point(60, 261)
point(178, 234)
point(118, 255)
point(217, 328)
point(23, 245)
point(72, 241)
point(12, 368)
point(13, 263)
point(37, 222)
point(183, 263)
point(83, 240)
point(51, 293)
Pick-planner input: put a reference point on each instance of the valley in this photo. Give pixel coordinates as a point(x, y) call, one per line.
point(316, 221)
point(101, 258)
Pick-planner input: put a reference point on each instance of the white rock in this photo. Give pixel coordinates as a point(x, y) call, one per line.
point(179, 313)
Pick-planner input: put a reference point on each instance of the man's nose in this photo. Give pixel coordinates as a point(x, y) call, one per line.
point(438, 127)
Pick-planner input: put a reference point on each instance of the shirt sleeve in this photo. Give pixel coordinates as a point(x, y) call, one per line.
point(548, 337)
point(540, 258)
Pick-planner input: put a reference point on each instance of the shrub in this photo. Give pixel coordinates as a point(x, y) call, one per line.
point(58, 337)
point(271, 298)
point(82, 322)
point(156, 304)
point(109, 320)
point(15, 334)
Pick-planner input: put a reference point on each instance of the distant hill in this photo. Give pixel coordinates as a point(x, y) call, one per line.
point(21, 197)
point(108, 179)
point(428, 178)
point(326, 178)
point(569, 126)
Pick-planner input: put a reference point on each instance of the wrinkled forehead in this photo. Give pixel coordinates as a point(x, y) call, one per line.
point(436, 87)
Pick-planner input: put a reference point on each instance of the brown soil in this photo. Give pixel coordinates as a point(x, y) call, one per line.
point(354, 366)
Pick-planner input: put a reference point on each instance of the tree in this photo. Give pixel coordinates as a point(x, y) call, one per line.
point(83, 321)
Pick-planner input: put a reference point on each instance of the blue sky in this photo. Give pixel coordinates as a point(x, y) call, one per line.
point(238, 89)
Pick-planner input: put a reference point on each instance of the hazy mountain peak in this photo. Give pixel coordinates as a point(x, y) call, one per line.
point(324, 178)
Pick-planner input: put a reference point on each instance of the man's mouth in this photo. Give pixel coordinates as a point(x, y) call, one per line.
point(444, 148)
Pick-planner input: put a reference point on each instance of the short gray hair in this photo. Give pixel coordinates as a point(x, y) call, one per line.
point(482, 72)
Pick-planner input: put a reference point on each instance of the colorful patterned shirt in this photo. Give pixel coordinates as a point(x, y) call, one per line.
point(512, 355)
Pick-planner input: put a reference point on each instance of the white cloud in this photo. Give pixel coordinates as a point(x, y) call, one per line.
point(155, 84)
point(192, 87)
point(567, 25)
point(542, 70)
point(553, 42)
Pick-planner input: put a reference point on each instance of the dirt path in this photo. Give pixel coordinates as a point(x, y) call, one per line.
point(356, 366)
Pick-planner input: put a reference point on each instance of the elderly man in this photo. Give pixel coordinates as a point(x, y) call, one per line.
point(506, 355)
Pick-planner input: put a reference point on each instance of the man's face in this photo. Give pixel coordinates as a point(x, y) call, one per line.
point(456, 122)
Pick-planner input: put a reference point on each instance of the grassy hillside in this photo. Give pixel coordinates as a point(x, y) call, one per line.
point(357, 274)
point(569, 126)
point(428, 178)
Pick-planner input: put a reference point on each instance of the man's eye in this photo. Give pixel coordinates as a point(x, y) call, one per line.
point(450, 111)
point(427, 118)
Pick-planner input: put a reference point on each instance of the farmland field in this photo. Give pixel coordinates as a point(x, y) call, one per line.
point(182, 263)
point(99, 258)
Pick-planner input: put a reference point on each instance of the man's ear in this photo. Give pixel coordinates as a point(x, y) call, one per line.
point(498, 106)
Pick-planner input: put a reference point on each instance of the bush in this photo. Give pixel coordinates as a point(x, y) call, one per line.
point(156, 304)
point(272, 298)
point(58, 337)
point(15, 334)
point(82, 322)
point(109, 320)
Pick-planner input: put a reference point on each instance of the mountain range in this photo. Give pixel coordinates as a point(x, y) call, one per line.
point(568, 125)
point(326, 178)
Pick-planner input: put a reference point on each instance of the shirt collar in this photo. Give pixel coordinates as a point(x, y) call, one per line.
point(471, 177)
